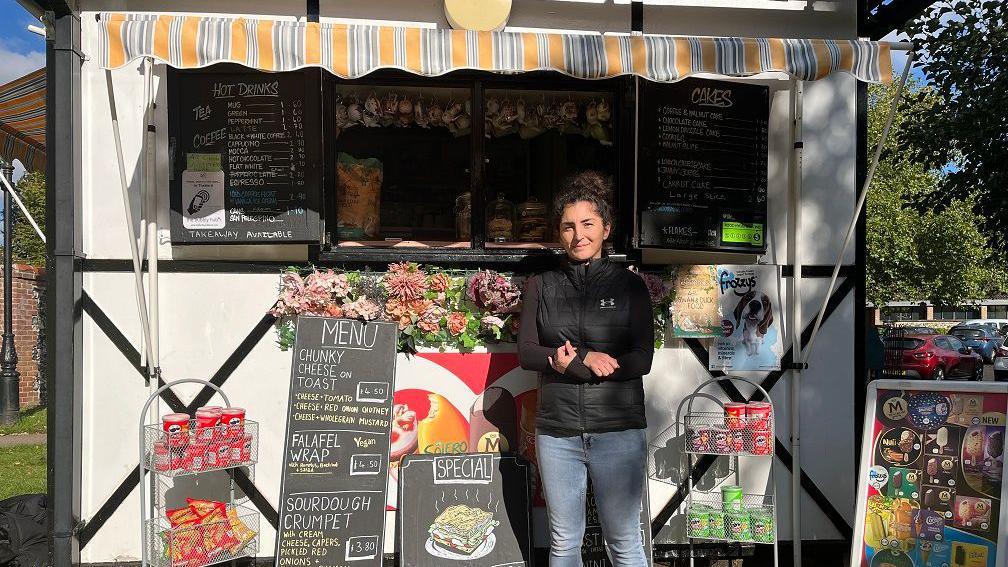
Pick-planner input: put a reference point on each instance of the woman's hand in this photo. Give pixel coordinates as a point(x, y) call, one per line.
point(565, 353)
point(600, 363)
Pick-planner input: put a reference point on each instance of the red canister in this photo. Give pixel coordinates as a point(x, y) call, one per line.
point(699, 440)
point(721, 441)
point(162, 457)
point(760, 442)
point(735, 415)
point(233, 420)
point(736, 441)
point(195, 456)
point(207, 420)
point(175, 423)
point(758, 415)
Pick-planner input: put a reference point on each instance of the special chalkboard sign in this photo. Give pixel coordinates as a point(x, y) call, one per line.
point(469, 510)
point(593, 551)
point(332, 494)
point(241, 169)
point(702, 165)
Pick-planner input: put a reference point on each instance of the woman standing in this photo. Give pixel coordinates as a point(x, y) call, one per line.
point(586, 327)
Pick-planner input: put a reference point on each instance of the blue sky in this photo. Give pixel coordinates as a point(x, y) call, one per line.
point(21, 51)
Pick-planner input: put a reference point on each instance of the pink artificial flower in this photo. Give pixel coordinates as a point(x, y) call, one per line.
point(492, 322)
point(405, 281)
point(430, 321)
point(440, 282)
point(341, 286)
point(361, 308)
point(333, 310)
point(493, 292)
point(457, 321)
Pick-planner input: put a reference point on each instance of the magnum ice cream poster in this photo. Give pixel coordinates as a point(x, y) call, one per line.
point(464, 509)
point(449, 403)
point(934, 490)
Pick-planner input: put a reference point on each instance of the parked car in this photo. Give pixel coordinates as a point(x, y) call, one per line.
point(935, 357)
point(980, 338)
point(1001, 369)
point(921, 331)
point(999, 326)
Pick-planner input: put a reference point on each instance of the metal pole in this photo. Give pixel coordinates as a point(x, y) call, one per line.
point(10, 378)
point(795, 322)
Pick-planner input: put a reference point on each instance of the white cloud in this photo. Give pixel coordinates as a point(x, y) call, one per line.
point(16, 64)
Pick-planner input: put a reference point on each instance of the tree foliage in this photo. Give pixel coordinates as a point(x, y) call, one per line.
point(26, 246)
point(963, 46)
point(917, 251)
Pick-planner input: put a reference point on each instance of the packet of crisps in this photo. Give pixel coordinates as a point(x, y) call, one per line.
point(184, 547)
point(242, 533)
point(204, 507)
point(218, 535)
point(182, 517)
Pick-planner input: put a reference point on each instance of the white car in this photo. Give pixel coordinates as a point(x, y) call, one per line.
point(1001, 369)
point(999, 324)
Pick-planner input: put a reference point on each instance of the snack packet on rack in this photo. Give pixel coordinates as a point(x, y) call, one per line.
point(242, 533)
point(218, 535)
point(182, 517)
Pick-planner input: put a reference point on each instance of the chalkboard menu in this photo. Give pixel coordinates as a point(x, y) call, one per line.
point(241, 169)
point(332, 495)
point(702, 165)
point(593, 551)
point(464, 509)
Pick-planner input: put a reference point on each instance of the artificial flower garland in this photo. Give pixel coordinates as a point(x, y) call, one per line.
point(434, 307)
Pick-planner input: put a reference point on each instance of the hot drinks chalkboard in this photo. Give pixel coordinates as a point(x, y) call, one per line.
point(468, 510)
point(241, 169)
point(702, 165)
point(332, 495)
point(593, 550)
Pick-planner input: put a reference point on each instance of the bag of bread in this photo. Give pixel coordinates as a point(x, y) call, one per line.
point(358, 193)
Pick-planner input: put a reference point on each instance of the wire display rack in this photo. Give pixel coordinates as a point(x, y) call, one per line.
point(176, 463)
point(745, 517)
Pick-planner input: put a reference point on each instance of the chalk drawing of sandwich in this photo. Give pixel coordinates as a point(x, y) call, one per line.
point(197, 202)
point(462, 533)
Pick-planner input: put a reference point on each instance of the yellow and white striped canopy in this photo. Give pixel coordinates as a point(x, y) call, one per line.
point(352, 51)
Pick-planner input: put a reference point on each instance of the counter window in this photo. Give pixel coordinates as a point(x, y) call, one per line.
point(401, 161)
point(534, 139)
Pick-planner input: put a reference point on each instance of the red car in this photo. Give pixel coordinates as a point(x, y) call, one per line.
point(935, 357)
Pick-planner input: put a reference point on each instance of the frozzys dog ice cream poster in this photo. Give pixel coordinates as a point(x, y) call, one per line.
point(932, 491)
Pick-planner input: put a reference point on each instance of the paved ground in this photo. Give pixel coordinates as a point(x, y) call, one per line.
point(29, 439)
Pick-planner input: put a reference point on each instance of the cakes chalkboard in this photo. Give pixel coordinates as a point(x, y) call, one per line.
point(702, 165)
point(242, 171)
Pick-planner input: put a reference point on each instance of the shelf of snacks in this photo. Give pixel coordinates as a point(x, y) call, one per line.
point(204, 532)
point(731, 515)
point(742, 429)
point(183, 446)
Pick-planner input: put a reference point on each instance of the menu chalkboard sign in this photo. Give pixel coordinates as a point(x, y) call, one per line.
point(241, 171)
point(593, 550)
point(464, 509)
point(332, 495)
point(702, 165)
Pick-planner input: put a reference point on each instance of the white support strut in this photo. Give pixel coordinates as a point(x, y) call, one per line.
point(134, 247)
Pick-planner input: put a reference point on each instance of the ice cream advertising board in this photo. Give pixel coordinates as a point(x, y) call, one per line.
point(332, 493)
point(466, 509)
point(930, 492)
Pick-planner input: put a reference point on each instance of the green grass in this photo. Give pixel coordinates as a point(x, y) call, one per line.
point(22, 470)
point(32, 421)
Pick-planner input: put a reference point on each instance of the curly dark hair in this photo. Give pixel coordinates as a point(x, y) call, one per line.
point(588, 185)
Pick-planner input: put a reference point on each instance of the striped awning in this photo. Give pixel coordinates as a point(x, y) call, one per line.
point(23, 120)
point(352, 51)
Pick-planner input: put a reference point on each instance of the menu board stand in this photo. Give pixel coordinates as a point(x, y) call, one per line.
point(930, 479)
point(242, 169)
point(702, 165)
point(333, 490)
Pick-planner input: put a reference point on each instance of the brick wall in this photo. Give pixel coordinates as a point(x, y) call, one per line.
point(27, 289)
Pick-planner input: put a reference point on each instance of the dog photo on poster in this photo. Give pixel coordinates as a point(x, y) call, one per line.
point(750, 311)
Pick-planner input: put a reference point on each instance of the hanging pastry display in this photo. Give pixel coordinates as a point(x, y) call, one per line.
point(503, 115)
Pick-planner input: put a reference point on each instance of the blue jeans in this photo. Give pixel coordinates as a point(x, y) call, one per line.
point(616, 462)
